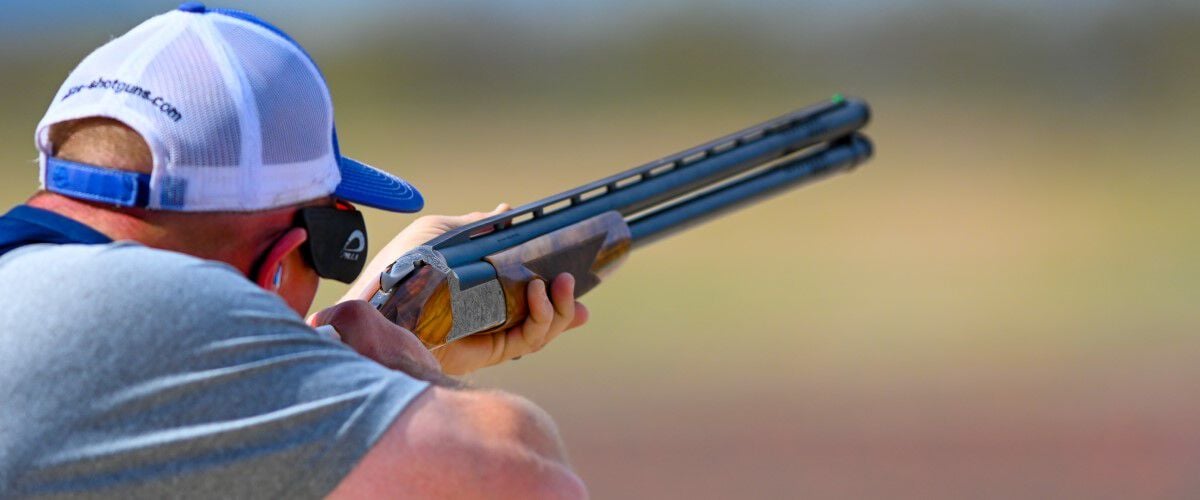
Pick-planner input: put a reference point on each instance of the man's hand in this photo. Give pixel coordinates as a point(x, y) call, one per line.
point(421, 230)
point(548, 318)
point(551, 312)
point(362, 328)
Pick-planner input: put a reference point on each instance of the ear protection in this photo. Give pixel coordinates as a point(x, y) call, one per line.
point(333, 240)
point(269, 274)
point(337, 241)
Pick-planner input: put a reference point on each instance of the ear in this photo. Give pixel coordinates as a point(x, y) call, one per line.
point(270, 271)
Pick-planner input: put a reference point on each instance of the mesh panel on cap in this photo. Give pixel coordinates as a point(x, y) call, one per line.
point(292, 105)
point(184, 75)
point(103, 63)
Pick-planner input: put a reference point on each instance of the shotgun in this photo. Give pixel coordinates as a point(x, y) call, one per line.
point(472, 279)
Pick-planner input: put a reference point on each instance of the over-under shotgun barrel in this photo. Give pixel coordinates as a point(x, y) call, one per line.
point(843, 154)
point(654, 183)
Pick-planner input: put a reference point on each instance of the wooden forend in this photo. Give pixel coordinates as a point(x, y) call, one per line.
point(590, 250)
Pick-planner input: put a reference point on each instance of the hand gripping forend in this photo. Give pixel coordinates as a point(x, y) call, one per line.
point(590, 250)
point(421, 293)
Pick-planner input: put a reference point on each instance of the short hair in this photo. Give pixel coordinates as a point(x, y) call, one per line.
point(103, 142)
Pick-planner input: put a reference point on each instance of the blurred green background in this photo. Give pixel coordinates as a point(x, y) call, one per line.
point(1002, 304)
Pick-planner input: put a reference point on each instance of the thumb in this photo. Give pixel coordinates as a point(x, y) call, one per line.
point(353, 311)
point(465, 219)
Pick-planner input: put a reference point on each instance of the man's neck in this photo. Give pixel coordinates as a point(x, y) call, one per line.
point(162, 231)
point(116, 225)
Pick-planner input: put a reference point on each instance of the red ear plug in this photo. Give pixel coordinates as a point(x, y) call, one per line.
point(269, 273)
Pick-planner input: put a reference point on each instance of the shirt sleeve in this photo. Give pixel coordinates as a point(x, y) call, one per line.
point(160, 375)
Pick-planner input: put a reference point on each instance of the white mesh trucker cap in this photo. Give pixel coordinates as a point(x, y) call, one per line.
point(235, 112)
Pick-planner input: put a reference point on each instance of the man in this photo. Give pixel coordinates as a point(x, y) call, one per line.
point(151, 334)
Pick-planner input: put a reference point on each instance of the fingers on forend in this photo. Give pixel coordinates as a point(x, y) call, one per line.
point(562, 292)
point(581, 315)
point(540, 308)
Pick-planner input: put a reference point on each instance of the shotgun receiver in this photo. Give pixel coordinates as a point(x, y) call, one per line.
point(472, 279)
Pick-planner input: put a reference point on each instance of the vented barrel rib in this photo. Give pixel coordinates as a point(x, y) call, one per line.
point(657, 182)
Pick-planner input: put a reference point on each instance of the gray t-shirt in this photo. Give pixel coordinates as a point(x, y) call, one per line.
point(128, 372)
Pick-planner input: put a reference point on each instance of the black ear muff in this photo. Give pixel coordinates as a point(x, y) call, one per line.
point(337, 242)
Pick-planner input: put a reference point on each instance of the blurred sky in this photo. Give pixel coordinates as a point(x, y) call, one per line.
point(567, 17)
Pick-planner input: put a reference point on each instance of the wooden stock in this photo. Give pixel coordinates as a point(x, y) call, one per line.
point(422, 305)
point(590, 250)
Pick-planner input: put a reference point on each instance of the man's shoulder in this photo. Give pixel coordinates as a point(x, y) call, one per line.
point(130, 293)
point(123, 259)
point(152, 372)
point(119, 272)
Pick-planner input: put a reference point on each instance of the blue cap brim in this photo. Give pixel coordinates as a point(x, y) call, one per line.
point(366, 185)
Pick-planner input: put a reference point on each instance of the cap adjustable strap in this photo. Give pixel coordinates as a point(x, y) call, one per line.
point(90, 182)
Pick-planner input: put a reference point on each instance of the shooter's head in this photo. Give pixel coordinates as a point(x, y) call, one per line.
point(215, 130)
